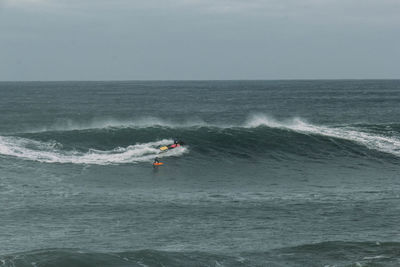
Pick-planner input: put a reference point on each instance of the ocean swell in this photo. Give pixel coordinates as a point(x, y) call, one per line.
point(259, 136)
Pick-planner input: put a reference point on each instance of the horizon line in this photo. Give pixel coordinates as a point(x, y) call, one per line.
point(206, 80)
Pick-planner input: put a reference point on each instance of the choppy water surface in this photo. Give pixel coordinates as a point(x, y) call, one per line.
point(273, 173)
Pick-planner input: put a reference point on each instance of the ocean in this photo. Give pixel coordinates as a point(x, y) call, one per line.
point(272, 173)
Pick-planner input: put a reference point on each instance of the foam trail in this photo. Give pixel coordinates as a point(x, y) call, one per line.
point(381, 143)
point(49, 152)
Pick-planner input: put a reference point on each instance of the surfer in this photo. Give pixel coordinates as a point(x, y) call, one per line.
point(176, 143)
point(157, 163)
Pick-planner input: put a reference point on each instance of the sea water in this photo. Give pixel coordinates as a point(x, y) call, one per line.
point(272, 173)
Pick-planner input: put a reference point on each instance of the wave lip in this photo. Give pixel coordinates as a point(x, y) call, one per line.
point(379, 142)
point(49, 152)
point(145, 122)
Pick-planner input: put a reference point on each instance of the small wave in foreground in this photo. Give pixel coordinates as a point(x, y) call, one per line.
point(319, 254)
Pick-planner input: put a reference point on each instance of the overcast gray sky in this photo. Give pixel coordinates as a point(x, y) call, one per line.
point(199, 39)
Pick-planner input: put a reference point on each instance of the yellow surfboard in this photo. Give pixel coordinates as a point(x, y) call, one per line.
point(163, 148)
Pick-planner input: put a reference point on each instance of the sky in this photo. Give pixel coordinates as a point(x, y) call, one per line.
point(45, 40)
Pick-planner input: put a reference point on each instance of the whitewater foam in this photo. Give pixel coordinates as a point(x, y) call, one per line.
point(374, 141)
point(50, 153)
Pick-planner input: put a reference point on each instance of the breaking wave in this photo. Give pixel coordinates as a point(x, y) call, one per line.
point(387, 140)
point(134, 142)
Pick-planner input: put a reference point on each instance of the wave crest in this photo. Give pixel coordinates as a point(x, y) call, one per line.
point(377, 141)
point(104, 123)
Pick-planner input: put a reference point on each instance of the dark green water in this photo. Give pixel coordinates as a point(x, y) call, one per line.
point(273, 173)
